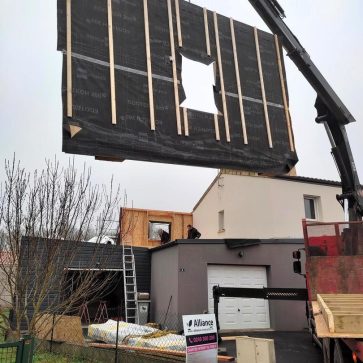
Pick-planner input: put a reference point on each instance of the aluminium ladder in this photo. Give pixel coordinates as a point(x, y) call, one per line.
point(130, 286)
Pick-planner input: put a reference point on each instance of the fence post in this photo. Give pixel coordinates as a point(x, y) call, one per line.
point(118, 323)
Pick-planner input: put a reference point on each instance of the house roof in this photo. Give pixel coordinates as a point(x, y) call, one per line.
point(299, 179)
point(229, 242)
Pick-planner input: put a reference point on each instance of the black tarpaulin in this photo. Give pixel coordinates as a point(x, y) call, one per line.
point(131, 137)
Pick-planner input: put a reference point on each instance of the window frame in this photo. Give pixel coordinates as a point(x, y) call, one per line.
point(160, 222)
point(315, 200)
point(221, 226)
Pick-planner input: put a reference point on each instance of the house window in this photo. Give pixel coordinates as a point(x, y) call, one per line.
point(310, 205)
point(154, 229)
point(221, 221)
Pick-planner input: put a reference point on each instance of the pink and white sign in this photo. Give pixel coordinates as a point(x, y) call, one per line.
point(201, 338)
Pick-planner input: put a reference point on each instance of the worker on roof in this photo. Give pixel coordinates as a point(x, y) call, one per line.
point(164, 236)
point(193, 233)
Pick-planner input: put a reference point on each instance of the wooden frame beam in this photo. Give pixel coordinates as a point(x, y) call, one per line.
point(178, 24)
point(69, 59)
point(173, 60)
point(186, 121)
point(284, 97)
point(216, 127)
point(220, 67)
point(149, 68)
point(238, 80)
point(260, 71)
point(206, 30)
point(112, 62)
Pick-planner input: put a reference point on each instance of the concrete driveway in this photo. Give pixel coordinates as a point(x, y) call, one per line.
point(290, 347)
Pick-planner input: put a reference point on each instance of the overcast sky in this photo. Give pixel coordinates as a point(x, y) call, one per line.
point(30, 95)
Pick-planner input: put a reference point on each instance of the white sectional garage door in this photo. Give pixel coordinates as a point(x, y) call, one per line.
point(239, 313)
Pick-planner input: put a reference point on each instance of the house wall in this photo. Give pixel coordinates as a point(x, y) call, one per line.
point(164, 285)
point(190, 277)
point(262, 207)
point(135, 225)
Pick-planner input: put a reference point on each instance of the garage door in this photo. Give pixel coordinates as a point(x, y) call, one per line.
point(239, 313)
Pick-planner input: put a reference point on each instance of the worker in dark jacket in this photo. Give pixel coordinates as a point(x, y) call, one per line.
point(164, 236)
point(193, 233)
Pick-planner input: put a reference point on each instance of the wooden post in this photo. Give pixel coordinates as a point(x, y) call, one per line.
point(178, 26)
point(236, 66)
point(112, 62)
point(206, 30)
point(225, 111)
point(284, 97)
point(216, 127)
point(267, 120)
point(173, 60)
point(69, 59)
point(186, 122)
point(149, 68)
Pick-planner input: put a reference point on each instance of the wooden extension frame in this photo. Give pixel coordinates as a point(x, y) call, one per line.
point(343, 313)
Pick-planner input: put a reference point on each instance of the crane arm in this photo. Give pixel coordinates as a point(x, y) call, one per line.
point(331, 110)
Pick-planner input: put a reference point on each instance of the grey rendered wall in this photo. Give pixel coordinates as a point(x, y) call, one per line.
point(164, 284)
point(193, 287)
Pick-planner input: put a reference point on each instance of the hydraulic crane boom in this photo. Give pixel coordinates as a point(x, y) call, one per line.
point(331, 110)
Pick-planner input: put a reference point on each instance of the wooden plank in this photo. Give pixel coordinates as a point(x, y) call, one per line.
point(260, 71)
point(69, 59)
point(173, 60)
point(206, 30)
point(216, 127)
point(186, 122)
point(66, 328)
point(220, 67)
point(284, 97)
point(221, 358)
point(112, 62)
point(349, 319)
point(178, 25)
point(149, 68)
point(322, 329)
point(239, 89)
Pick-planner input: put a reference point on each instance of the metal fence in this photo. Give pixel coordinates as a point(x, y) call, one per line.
point(17, 352)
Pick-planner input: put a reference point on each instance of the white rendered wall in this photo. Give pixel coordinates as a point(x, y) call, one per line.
point(262, 207)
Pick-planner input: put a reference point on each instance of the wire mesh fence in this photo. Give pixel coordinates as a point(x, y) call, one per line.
point(107, 337)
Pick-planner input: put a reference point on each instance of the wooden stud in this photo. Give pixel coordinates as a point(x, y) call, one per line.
point(206, 30)
point(69, 59)
point(225, 111)
point(260, 71)
point(216, 127)
point(178, 25)
point(284, 98)
point(186, 122)
point(236, 66)
point(173, 60)
point(112, 62)
point(149, 68)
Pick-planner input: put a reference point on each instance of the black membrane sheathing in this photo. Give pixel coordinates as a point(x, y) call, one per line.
point(131, 137)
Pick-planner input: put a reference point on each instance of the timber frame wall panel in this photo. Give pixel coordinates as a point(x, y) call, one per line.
point(138, 234)
point(138, 71)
